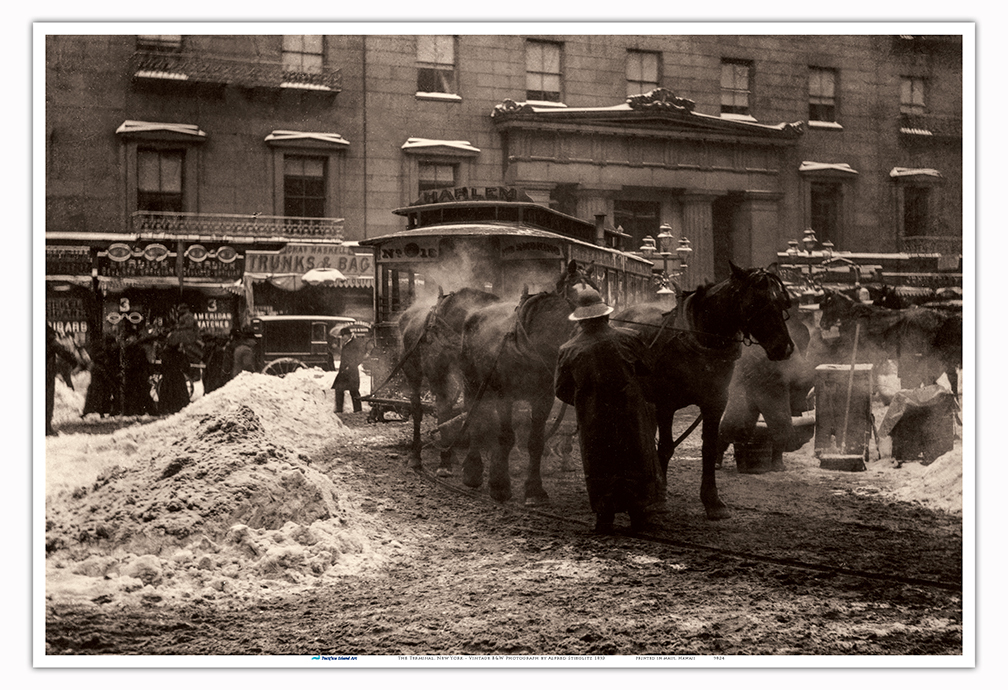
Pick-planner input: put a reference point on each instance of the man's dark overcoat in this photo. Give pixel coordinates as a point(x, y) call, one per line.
point(604, 375)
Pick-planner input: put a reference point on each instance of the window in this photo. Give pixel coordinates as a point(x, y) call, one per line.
point(637, 218)
point(436, 175)
point(304, 187)
point(159, 180)
point(436, 64)
point(825, 210)
point(159, 43)
point(542, 71)
point(915, 211)
point(822, 95)
point(734, 87)
point(302, 54)
point(641, 72)
point(912, 96)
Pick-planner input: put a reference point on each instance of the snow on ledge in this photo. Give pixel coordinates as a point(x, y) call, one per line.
point(813, 166)
point(437, 96)
point(420, 143)
point(914, 172)
point(820, 124)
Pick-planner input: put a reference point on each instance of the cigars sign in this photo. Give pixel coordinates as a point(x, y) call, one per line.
point(301, 258)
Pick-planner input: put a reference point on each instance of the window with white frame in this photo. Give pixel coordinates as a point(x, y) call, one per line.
point(735, 87)
point(304, 186)
point(302, 54)
point(434, 175)
point(825, 210)
point(822, 95)
point(542, 71)
point(642, 71)
point(911, 96)
point(159, 180)
point(436, 64)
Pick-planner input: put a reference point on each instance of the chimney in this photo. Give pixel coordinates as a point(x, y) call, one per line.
point(600, 229)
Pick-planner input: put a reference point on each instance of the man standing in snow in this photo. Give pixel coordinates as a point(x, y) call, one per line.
point(602, 371)
point(245, 357)
point(353, 351)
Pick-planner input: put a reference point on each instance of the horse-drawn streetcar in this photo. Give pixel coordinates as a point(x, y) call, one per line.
point(496, 240)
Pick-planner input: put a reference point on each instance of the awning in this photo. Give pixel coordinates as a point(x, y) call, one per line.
point(295, 281)
point(323, 276)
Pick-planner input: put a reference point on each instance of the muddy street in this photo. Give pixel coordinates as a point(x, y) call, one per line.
point(812, 562)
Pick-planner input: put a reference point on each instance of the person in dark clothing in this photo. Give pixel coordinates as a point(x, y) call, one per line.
point(353, 351)
point(182, 346)
point(136, 371)
point(55, 353)
point(602, 371)
point(245, 357)
point(103, 391)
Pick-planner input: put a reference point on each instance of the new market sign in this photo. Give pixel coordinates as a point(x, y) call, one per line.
point(301, 258)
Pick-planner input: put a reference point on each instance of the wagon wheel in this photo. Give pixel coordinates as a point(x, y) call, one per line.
point(283, 366)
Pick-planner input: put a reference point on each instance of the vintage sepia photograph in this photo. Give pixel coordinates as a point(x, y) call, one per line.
point(486, 345)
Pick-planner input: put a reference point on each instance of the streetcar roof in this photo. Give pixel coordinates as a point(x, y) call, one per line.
point(494, 229)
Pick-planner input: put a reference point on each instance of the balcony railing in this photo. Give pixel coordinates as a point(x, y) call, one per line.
point(945, 245)
point(931, 125)
point(204, 68)
point(220, 225)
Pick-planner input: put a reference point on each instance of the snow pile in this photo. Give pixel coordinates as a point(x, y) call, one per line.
point(940, 484)
point(219, 499)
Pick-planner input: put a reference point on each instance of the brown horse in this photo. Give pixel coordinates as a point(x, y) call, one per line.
point(432, 341)
point(509, 353)
point(695, 347)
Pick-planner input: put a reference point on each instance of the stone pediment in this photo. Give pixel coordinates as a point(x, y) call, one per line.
point(660, 112)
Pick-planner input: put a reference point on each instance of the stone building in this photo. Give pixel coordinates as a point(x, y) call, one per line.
point(259, 149)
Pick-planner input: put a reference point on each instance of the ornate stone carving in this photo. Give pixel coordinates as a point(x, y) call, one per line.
point(660, 99)
point(510, 107)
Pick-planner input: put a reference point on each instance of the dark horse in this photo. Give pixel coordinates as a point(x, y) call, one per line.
point(925, 339)
point(695, 348)
point(509, 353)
point(432, 343)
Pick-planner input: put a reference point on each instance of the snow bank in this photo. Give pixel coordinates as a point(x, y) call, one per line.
point(219, 500)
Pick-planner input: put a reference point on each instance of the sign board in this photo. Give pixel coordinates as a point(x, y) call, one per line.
point(411, 250)
point(301, 258)
point(514, 249)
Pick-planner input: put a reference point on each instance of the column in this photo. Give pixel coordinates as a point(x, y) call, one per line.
point(760, 216)
point(698, 226)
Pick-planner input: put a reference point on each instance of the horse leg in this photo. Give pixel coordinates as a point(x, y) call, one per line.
point(534, 492)
point(500, 477)
point(716, 509)
point(444, 410)
point(666, 443)
point(416, 411)
point(480, 426)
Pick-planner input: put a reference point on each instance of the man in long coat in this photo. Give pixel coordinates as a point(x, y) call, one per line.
point(602, 371)
point(353, 352)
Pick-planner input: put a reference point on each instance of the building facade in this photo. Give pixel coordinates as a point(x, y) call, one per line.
point(193, 164)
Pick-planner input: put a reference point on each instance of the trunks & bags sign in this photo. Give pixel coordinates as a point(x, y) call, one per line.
point(301, 258)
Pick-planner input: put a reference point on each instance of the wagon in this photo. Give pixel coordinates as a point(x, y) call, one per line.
point(291, 342)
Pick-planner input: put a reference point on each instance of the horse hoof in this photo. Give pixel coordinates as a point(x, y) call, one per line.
point(444, 472)
point(500, 496)
point(718, 513)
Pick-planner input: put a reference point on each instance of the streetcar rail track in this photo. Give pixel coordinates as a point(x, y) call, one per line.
point(651, 537)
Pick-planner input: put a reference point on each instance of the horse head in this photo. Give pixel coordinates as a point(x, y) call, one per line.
point(763, 302)
point(573, 280)
point(835, 307)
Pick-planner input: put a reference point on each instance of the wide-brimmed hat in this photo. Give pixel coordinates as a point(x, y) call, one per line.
point(590, 306)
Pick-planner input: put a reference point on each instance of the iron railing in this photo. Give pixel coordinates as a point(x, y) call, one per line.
point(207, 68)
point(945, 245)
point(221, 225)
